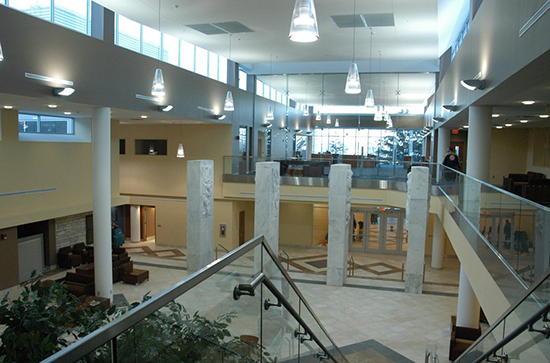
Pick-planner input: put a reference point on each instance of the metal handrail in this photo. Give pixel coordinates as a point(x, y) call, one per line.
point(513, 307)
point(505, 192)
point(526, 325)
point(223, 248)
point(351, 266)
point(287, 259)
point(297, 291)
point(118, 326)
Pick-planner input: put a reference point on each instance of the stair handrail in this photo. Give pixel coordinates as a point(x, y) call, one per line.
point(223, 248)
point(513, 307)
point(287, 259)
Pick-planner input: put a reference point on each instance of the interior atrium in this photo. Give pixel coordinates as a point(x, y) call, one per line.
point(274, 181)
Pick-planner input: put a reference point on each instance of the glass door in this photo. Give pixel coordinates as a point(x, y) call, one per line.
point(391, 228)
point(374, 236)
point(358, 233)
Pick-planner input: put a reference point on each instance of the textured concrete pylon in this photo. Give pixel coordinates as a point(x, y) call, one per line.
point(200, 214)
point(418, 205)
point(266, 207)
point(339, 214)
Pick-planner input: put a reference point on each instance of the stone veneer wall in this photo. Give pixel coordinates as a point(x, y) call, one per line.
point(70, 230)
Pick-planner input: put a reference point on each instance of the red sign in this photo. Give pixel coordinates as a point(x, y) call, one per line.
point(455, 131)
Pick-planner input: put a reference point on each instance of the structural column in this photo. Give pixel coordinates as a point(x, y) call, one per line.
point(339, 214)
point(266, 206)
point(477, 166)
point(438, 244)
point(418, 205)
point(101, 154)
point(200, 214)
point(443, 143)
point(135, 223)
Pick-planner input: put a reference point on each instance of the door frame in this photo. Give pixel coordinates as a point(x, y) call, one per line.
point(382, 215)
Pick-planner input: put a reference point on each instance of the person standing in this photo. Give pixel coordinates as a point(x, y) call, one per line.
point(451, 161)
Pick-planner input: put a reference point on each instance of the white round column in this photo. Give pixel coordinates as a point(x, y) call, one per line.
point(135, 223)
point(467, 310)
point(101, 155)
point(443, 143)
point(438, 244)
point(479, 142)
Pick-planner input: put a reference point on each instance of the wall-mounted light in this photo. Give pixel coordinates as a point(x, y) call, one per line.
point(1, 53)
point(438, 119)
point(221, 117)
point(524, 121)
point(450, 108)
point(8, 107)
point(495, 115)
point(63, 91)
point(473, 84)
point(267, 124)
point(166, 108)
point(528, 103)
point(544, 116)
point(143, 116)
point(39, 77)
point(52, 106)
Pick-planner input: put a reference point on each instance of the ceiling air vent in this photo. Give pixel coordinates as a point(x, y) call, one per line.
point(364, 20)
point(228, 27)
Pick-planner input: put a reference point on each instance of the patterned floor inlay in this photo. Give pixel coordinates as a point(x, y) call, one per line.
point(172, 253)
point(379, 268)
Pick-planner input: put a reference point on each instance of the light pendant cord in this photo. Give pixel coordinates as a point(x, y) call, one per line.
point(370, 57)
point(379, 69)
point(230, 35)
point(160, 50)
point(353, 56)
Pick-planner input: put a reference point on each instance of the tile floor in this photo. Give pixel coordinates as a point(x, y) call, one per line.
point(371, 307)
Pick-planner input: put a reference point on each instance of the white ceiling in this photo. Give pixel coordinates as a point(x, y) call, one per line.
point(413, 39)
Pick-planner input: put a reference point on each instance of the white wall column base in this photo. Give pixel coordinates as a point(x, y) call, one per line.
point(135, 223)
point(467, 314)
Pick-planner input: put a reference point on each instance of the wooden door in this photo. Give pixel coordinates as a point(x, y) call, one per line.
point(151, 223)
point(241, 227)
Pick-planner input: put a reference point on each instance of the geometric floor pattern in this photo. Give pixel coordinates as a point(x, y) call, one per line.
point(172, 253)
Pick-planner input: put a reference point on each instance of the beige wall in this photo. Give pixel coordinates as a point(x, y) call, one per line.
point(508, 153)
point(38, 165)
point(296, 224)
point(530, 154)
point(9, 259)
point(320, 223)
point(167, 175)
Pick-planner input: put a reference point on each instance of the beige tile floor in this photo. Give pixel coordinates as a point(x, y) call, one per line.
point(403, 322)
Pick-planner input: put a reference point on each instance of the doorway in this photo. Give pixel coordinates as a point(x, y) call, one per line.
point(261, 144)
point(31, 256)
point(148, 223)
point(460, 150)
point(242, 227)
point(378, 231)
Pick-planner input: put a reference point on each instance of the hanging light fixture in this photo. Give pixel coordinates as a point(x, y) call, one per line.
point(353, 82)
point(158, 89)
point(228, 105)
point(379, 114)
point(181, 153)
point(328, 120)
point(337, 123)
point(369, 100)
point(269, 116)
point(303, 27)
point(318, 117)
point(306, 109)
point(1, 53)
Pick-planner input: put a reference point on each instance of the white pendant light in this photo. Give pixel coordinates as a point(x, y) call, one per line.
point(318, 117)
point(337, 123)
point(269, 116)
point(306, 111)
point(228, 104)
point(369, 99)
point(329, 121)
point(353, 82)
point(1, 53)
point(181, 153)
point(303, 27)
point(378, 116)
point(158, 89)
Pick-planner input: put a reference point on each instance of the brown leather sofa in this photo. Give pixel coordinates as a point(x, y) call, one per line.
point(66, 258)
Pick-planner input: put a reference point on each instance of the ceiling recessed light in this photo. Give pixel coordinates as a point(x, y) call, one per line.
point(8, 107)
point(528, 102)
point(67, 113)
point(52, 106)
point(499, 127)
point(544, 116)
point(143, 116)
point(466, 126)
point(495, 115)
point(524, 121)
point(508, 125)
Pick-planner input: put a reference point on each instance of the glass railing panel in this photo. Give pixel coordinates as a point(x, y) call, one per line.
point(204, 324)
point(100, 355)
point(278, 327)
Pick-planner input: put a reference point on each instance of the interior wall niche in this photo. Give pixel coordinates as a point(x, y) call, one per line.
point(151, 147)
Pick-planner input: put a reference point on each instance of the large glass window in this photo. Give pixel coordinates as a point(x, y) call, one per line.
point(170, 49)
point(43, 124)
point(201, 61)
point(72, 14)
point(242, 79)
point(213, 65)
point(222, 70)
point(129, 34)
point(39, 8)
point(187, 56)
point(151, 42)
point(259, 88)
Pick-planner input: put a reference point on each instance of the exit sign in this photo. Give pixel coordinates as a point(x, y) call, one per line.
point(455, 131)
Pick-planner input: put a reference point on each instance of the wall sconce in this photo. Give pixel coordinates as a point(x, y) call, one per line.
point(63, 91)
point(450, 108)
point(473, 84)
